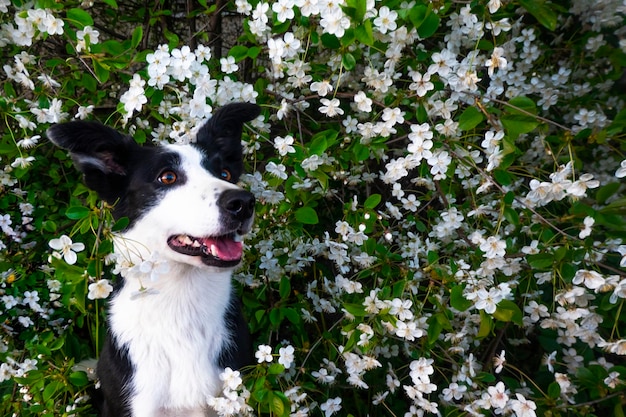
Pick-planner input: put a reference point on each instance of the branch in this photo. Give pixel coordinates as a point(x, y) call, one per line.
point(519, 109)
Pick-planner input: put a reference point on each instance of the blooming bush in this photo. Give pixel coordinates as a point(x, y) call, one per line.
point(440, 220)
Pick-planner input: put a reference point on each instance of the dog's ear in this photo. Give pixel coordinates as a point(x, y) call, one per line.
point(101, 153)
point(220, 137)
point(226, 124)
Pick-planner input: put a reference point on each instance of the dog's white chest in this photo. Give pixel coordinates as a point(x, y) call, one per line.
point(174, 334)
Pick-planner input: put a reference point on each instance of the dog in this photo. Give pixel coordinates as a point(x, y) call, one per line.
point(168, 339)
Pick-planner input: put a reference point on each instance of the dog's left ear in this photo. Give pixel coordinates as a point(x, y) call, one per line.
point(220, 137)
point(226, 124)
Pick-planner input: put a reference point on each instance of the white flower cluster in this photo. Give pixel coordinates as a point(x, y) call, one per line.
point(560, 186)
point(38, 307)
point(30, 26)
point(181, 65)
point(232, 402)
point(12, 369)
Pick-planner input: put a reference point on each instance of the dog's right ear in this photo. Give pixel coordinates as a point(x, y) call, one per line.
point(101, 153)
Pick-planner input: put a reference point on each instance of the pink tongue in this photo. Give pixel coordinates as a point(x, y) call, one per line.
point(225, 249)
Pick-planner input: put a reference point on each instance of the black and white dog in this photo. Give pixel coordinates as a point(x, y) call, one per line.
point(169, 340)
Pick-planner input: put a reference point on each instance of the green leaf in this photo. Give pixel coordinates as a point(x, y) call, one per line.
point(120, 224)
point(279, 28)
point(360, 152)
point(508, 311)
point(540, 261)
point(615, 207)
point(348, 61)
point(172, 38)
point(275, 369)
point(306, 215)
point(111, 3)
point(457, 300)
point(425, 20)
point(432, 257)
point(504, 178)
point(486, 324)
point(7, 148)
point(522, 105)
point(359, 7)
point(52, 389)
point(77, 212)
point(276, 316)
point(421, 114)
point(292, 315)
point(519, 118)
point(284, 287)
point(279, 404)
point(372, 201)
point(137, 36)
point(554, 390)
point(510, 214)
point(542, 11)
point(112, 47)
point(101, 70)
point(436, 324)
point(429, 26)
point(330, 41)
point(364, 33)
point(89, 82)
point(486, 377)
point(607, 191)
point(470, 118)
point(352, 341)
point(417, 15)
point(258, 315)
point(79, 18)
point(321, 141)
point(49, 226)
point(239, 52)
point(78, 379)
point(9, 91)
point(568, 271)
point(254, 51)
point(259, 393)
point(357, 310)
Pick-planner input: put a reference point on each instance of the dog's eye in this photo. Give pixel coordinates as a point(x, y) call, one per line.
point(168, 177)
point(226, 175)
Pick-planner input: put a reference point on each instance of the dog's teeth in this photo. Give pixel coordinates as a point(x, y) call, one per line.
point(212, 250)
point(237, 237)
point(196, 244)
point(187, 241)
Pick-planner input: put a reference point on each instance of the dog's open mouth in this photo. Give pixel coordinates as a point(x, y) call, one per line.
point(225, 250)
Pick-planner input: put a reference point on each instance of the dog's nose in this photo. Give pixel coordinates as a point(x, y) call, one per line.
point(238, 203)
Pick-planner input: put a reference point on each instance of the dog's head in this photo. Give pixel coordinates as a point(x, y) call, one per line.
point(182, 200)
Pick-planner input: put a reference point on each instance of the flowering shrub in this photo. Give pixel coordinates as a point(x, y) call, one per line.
point(440, 220)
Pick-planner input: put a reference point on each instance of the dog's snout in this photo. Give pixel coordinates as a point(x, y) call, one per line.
point(238, 203)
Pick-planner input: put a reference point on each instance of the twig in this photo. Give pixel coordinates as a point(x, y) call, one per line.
point(317, 342)
point(519, 109)
point(592, 402)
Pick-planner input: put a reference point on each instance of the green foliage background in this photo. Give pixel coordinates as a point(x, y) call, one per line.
point(293, 278)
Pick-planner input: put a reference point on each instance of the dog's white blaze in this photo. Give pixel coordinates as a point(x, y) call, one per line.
point(183, 309)
point(159, 324)
point(190, 209)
